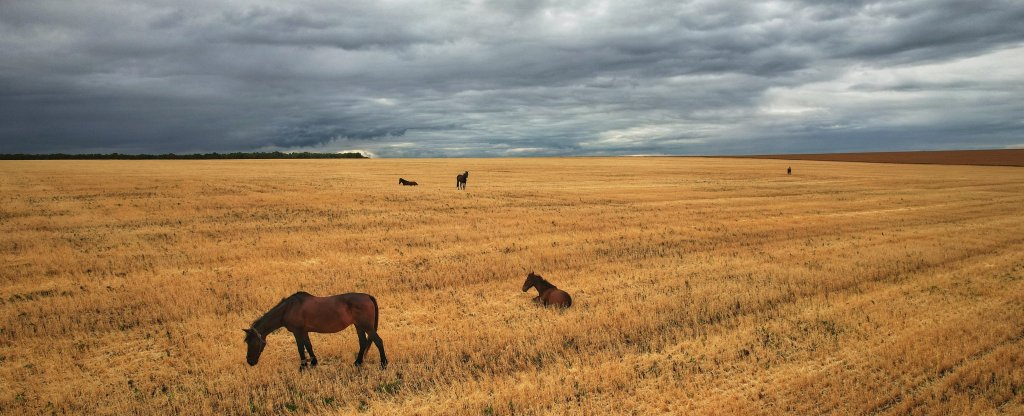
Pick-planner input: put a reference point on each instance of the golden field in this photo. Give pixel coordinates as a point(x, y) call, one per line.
point(700, 286)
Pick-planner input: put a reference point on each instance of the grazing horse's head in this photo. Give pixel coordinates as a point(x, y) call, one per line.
point(256, 344)
point(531, 279)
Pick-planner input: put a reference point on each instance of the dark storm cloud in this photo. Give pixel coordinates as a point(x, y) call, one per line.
point(510, 78)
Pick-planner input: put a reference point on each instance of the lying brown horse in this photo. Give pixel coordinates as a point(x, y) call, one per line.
point(402, 181)
point(548, 293)
point(303, 313)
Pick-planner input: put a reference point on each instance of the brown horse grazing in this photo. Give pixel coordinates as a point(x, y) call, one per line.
point(303, 313)
point(548, 293)
point(460, 180)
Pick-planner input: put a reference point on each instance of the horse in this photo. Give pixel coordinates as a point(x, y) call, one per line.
point(548, 294)
point(789, 170)
point(303, 313)
point(402, 181)
point(460, 181)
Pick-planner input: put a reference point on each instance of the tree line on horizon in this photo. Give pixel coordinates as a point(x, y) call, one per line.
point(193, 156)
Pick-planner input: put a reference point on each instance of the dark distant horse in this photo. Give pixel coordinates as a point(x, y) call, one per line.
point(406, 183)
point(548, 293)
point(789, 171)
point(460, 181)
point(303, 313)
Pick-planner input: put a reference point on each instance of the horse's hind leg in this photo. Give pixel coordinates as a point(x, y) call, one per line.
point(364, 345)
point(380, 348)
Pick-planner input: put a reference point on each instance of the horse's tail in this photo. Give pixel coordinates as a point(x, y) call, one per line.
point(376, 312)
point(568, 299)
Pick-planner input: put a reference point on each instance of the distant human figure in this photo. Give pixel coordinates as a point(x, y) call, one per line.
point(548, 294)
point(789, 171)
point(406, 183)
point(460, 181)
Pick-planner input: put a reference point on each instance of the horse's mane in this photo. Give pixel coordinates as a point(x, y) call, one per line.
point(279, 309)
point(542, 281)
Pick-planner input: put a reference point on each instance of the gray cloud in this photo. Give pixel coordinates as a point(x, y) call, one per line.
point(510, 78)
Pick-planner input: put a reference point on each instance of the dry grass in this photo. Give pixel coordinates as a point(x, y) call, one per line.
point(699, 286)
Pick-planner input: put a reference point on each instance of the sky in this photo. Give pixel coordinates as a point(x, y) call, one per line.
point(510, 78)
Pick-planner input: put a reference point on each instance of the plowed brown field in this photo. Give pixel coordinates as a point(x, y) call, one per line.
point(999, 157)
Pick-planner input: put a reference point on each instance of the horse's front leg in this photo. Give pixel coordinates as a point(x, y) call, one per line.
point(309, 347)
point(538, 300)
point(302, 349)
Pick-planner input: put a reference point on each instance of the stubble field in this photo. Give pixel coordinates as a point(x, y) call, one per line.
point(705, 286)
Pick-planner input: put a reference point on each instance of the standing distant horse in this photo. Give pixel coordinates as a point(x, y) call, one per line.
point(548, 294)
point(789, 170)
point(460, 181)
point(402, 181)
point(303, 313)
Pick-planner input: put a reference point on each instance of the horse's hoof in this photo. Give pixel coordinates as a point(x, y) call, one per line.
point(313, 363)
point(384, 365)
point(358, 363)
